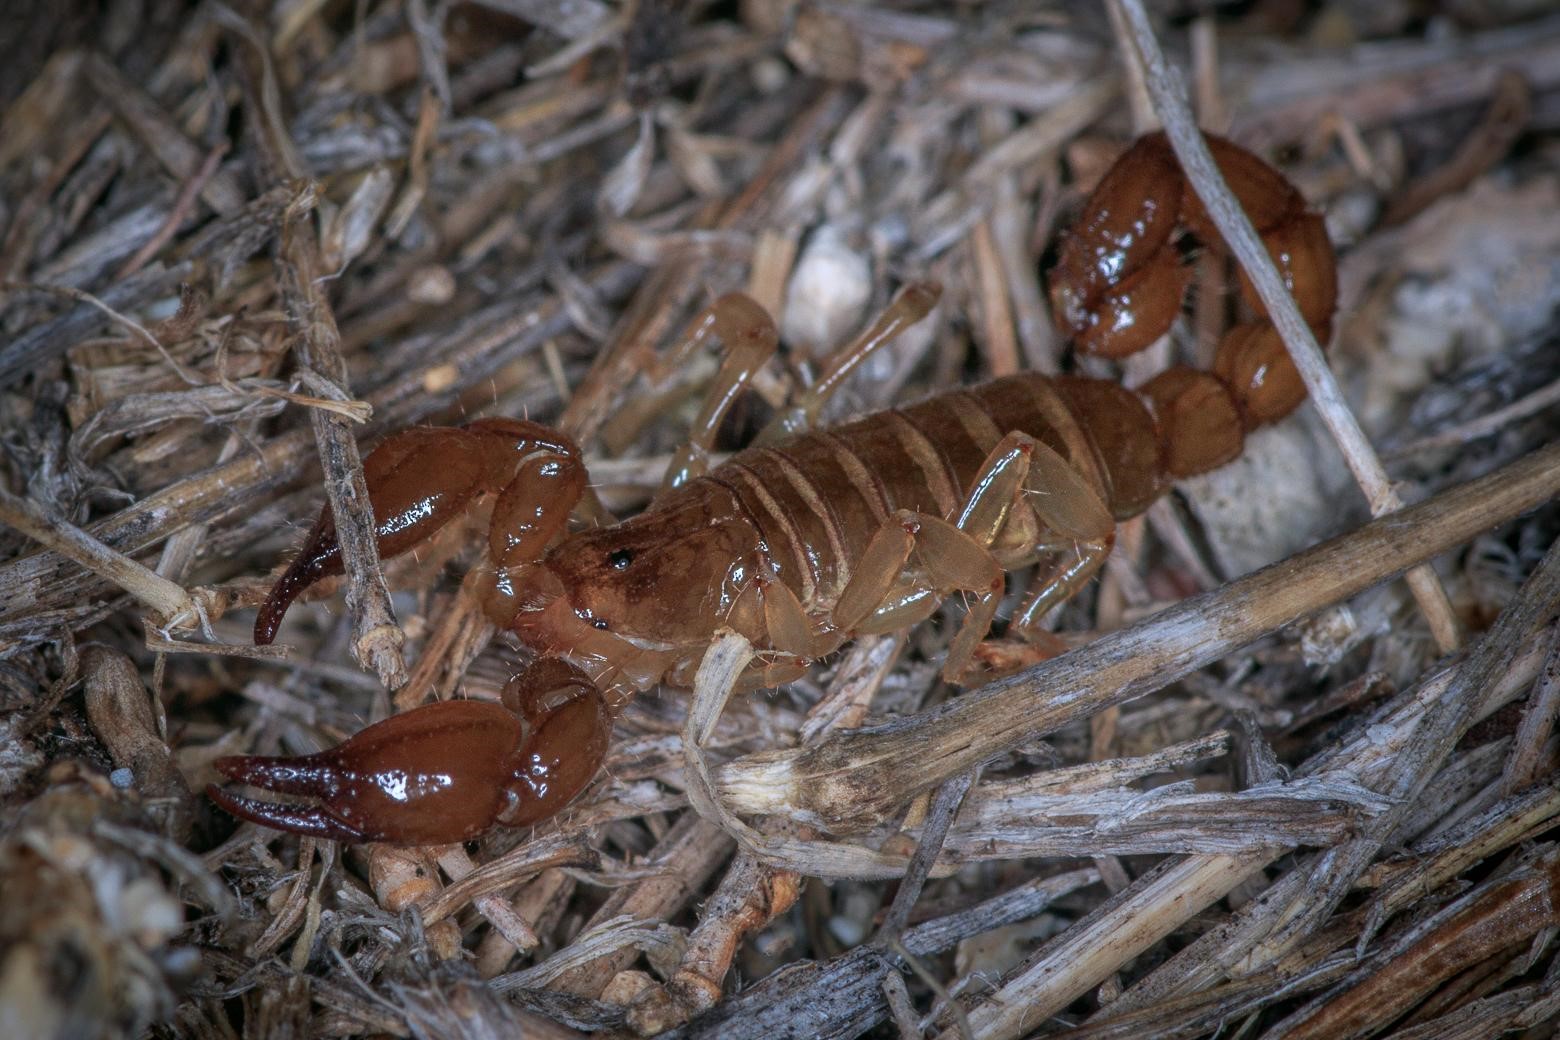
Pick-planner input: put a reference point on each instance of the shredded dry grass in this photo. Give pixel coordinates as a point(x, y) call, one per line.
point(240, 243)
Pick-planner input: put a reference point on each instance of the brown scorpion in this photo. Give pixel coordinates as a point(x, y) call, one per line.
point(805, 540)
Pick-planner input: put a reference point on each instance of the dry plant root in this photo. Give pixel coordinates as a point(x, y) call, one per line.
point(807, 541)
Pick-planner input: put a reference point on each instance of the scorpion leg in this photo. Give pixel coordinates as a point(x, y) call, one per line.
point(1057, 497)
point(750, 337)
point(1073, 507)
point(442, 773)
point(790, 630)
point(909, 305)
point(421, 479)
point(1060, 499)
point(768, 611)
point(878, 598)
point(1073, 568)
point(957, 555)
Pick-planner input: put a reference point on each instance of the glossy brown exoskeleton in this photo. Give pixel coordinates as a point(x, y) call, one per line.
point(809, 539)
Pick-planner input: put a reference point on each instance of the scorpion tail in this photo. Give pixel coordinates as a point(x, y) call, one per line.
point(1203, 416)
point(1119, 280)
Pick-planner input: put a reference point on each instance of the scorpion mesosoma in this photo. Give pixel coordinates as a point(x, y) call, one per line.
point(805, 542)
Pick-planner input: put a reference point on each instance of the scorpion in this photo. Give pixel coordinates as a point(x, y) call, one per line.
point(810, 537)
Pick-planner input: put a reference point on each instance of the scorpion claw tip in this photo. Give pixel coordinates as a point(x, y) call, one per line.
point(309, 820)
point(303, 775)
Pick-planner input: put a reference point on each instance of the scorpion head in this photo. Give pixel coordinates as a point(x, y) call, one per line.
point(629, 603)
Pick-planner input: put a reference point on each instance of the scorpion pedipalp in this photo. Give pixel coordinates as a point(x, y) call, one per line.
point(422, 478)
point(442, 773)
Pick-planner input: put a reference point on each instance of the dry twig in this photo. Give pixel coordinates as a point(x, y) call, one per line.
point(430, 212)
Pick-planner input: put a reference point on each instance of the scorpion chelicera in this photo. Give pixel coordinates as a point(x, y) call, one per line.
point(809, 539)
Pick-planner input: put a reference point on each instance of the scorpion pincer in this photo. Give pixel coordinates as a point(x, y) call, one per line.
point(809, 538)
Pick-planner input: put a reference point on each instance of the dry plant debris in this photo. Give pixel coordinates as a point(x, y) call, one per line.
point(239, 242)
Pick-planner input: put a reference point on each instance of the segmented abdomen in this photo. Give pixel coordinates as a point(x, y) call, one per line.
point(818, 499)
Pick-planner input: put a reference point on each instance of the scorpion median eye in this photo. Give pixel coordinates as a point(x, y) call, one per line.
point(600, 623)
point(620, 559)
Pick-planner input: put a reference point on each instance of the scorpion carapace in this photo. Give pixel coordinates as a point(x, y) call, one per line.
point(807, 540)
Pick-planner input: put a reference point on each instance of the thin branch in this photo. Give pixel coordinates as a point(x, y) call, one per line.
point(82, 296)
point(1530, 760)
point(171, 606)
point(1417, 761)
point(1120, 928)
point(1484, 425)
point(945, 806)
point(377, 638)
point(1134, 920)
point(183, 205)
